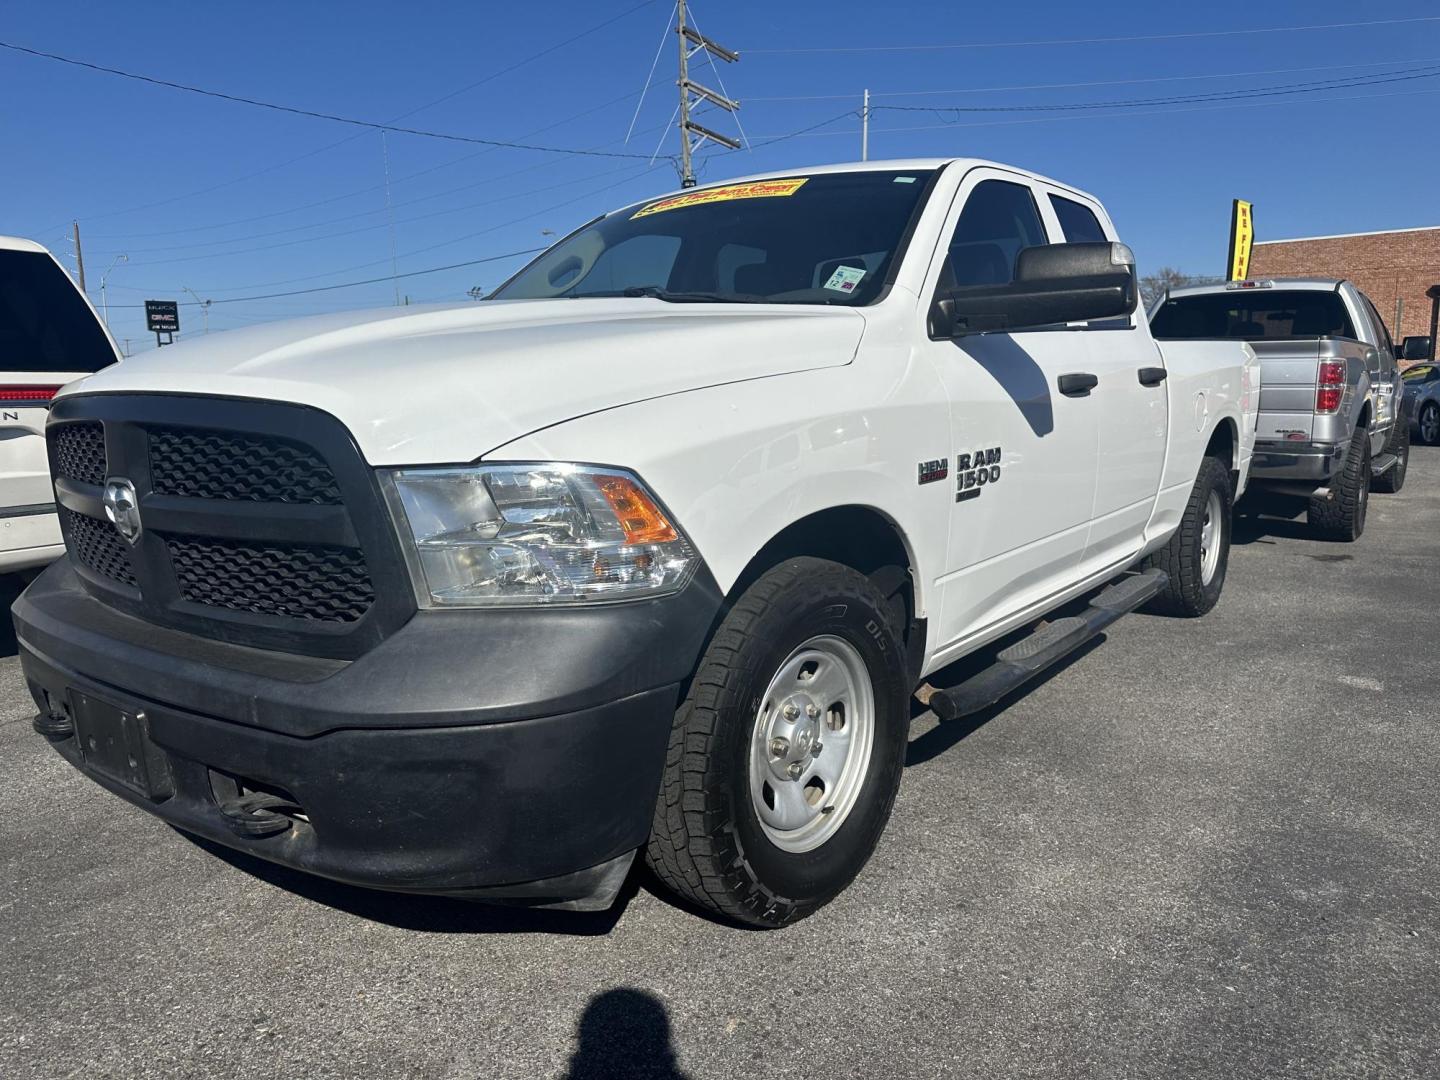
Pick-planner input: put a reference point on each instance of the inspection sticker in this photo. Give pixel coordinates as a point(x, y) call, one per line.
point(845, 278)
point(758, 189)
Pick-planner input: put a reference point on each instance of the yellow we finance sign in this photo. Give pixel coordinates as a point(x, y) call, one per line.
point(756, 189)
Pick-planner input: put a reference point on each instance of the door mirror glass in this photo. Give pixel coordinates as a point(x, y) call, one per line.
point(1053, 285)
point(1416, 348)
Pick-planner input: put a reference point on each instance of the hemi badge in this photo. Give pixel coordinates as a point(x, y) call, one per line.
point(930, 471)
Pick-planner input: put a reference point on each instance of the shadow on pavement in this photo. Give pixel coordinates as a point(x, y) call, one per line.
point(624, 1033)
point(428, 914)
point(1258, 519)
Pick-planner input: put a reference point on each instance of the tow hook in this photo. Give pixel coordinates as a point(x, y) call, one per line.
point(258, 814)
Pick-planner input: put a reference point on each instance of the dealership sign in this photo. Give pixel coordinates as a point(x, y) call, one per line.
point(1242, 236)
point(162, 316)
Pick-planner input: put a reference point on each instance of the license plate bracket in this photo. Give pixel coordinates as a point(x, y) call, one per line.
point(116, 744)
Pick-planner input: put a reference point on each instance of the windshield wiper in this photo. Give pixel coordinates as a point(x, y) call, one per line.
point(657, 293)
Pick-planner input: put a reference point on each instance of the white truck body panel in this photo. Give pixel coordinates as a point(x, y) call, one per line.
point(745, 419)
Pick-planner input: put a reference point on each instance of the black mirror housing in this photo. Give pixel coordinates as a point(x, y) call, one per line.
point(1054, 284)
point(1416, 348)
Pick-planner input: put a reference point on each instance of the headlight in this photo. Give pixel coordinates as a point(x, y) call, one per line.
point(536, 534)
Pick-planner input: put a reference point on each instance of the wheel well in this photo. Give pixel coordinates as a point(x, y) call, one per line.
point(1222, 445)
point(861, 538)
point(1363, 420)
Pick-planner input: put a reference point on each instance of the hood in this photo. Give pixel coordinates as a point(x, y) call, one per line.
point(435, 385)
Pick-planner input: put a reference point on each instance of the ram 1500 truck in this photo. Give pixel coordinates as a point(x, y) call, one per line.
point(49, 336)
point(646, 553)
point(1332, 424)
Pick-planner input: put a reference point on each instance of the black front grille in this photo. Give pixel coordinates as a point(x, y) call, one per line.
point(261, 522)
point(80, 453)
point(99, 547)
point(325, 584)
point(226, 465)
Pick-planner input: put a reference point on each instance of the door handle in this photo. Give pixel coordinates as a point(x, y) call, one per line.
point(1077, 384)
point(1152, 376)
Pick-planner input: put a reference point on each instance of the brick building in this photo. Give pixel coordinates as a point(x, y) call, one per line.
point(1393, 268)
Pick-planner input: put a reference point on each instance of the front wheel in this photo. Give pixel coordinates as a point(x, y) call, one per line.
point(786, 754)
point(1196, 558)
point(1429, 424)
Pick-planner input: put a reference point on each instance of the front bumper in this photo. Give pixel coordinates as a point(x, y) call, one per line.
point(508, 755)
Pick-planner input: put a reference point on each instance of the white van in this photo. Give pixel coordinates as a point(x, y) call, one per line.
point(49, 336)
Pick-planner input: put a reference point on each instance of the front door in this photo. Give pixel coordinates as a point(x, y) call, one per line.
point(1022, 462)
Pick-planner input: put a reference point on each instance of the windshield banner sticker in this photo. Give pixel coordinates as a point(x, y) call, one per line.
point(759, 189)
point(845, 278)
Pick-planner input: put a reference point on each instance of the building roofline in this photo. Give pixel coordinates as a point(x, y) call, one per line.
point(1348, 236)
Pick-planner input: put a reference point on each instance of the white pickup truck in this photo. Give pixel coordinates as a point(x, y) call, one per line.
point(647, 553)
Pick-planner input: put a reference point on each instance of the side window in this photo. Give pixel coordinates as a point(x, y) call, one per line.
point(1077, 221)
point(1385, 343)
point(999, 219)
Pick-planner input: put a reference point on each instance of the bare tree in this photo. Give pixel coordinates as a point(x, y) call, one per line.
point(1153, 286)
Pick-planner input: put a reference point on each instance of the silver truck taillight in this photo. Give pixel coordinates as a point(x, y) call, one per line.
point(1330, 386)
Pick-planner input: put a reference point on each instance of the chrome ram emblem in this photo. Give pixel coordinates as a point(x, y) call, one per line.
point(122, 507)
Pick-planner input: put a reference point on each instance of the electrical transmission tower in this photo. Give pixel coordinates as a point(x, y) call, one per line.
point(692, 95)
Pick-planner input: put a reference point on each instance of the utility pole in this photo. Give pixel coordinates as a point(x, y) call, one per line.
point(79, 258)
point(692, 135)
point(865, 128)
point(204, 305)
point(104, 304)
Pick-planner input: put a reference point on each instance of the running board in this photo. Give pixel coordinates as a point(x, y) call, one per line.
point(1049, 644)
point(1382, 464)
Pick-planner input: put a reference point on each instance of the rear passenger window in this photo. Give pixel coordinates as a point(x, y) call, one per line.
point(1077, 221)
point(999, 219)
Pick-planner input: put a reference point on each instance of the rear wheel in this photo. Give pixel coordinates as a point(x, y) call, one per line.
point(1429, 424)
point(1393, 478)
point(786, 754)
point(1340, 515)
point(1198, 555)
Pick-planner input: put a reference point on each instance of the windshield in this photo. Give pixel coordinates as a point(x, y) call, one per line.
point(827, 239)
point(1255, 315)
point(44, 324)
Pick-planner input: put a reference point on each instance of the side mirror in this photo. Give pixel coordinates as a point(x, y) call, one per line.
point(1416, 348)
point(1054, 284)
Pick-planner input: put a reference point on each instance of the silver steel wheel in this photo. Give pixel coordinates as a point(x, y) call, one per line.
point(810, 749)
point(1212, 532)
point(1430, 424)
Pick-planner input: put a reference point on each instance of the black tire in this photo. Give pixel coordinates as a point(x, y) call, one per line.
point(1340, 515)
point(707, 843)
point(1429, 421)
point(1393, 479)
point(1188, 594)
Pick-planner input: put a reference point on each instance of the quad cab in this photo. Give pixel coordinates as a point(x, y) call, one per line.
point(645, 554)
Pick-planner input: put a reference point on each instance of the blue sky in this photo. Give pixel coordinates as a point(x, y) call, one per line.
point(234, 201)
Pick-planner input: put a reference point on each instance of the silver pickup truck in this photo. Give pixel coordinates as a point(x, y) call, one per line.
point(1330, 389)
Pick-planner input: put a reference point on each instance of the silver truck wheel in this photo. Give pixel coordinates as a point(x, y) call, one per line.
point(811, 747)
point(1340, 514)
point(786, 753)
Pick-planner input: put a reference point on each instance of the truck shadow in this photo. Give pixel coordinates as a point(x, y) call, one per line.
point(11, 586)
point(426, 914)
point(1262, 519)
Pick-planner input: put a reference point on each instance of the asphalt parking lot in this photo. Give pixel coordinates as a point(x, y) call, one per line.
point(1200, 849)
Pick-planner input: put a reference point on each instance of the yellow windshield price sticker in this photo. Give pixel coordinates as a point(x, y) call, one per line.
point(759, 189)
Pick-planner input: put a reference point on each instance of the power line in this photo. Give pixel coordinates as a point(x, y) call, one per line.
point(367, 281)
point(1314, 87)
point(411, 112)
point(1084, 85)
point(1091, 40)
point(315, 114)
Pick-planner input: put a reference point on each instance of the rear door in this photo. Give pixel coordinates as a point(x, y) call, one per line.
point(1022, 460)
point(1133, 416)
point(49, 336)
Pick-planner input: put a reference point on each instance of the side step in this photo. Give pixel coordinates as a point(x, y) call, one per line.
point(1382, 463)
point(1030, 656)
